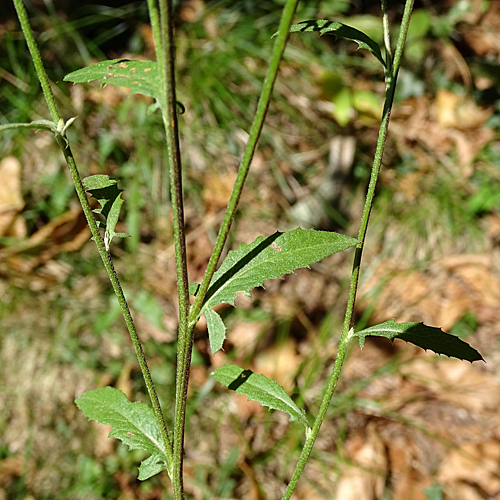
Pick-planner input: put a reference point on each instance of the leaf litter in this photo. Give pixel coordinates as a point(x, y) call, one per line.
point(435, 420)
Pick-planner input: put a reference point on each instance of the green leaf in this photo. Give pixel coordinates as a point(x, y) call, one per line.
point(139, 76)
point(426, 337)
point(257, 387)
point(150, 467)
point(133, 423)
point(106, 192)
point(216, 329)
point(193, 288)
point(265, 258)
point(340, 30)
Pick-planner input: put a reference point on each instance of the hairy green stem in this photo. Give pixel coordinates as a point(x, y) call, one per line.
point(168, 105)
point(346, 329)
point(106, 258)
point(279, 48)
point(108, 264)
point(155, 28)
point(37, 60)
point(186, 329)
point(165, 55)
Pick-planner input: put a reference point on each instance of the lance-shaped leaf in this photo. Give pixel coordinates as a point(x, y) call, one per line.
point(339, 30)
point(257, 387)
point(139, 76)
point(106, 192)
point(133, 423)
point(426, 337)
point(263, 259)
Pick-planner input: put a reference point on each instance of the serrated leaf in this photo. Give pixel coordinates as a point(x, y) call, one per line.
point(149, 468)
point(265, 258)
point(99, 181)
point(257, 387)
point(139, 76)
point(106, 192)
point(426, 337)
point(339, 30)
point(133, 423)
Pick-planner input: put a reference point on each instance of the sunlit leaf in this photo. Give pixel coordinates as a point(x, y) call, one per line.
point(139, 76)
point(265, 258)
point(257, 387)
point(426, 337)
point(106, 192)
point(133, 423)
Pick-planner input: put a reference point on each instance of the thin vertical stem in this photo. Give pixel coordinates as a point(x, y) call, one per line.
point(165, 54)
point(106, 258)
point(168, 104)
point(185, 337)
point(37, 60)
point(258, 123)
point(346, 329)
point(155, 27)
point(403, 32)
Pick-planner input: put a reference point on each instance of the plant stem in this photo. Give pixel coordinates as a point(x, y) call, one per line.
point(106, 258)
point(279, 48)
point(155, 27)
point(168, 105)
point(345, 336)
point(165, 54)
point(37, 60)
point(113, 277)
point(186, 328)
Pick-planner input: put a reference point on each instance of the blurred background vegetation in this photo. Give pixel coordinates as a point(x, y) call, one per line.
point(404, 424)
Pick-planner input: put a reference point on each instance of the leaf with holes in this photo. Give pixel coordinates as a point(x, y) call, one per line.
point(257, 387)
point(263, 259)
point(426, 337)
point(106, 192)
point(133, 423)
point(339, 30)
point(140, 77)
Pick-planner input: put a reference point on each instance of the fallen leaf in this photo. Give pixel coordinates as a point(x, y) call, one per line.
point(475, 464)
point(217, 190)
point(11, 200)
point(365, 478)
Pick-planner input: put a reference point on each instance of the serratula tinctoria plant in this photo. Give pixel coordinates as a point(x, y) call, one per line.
point(267, 257)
